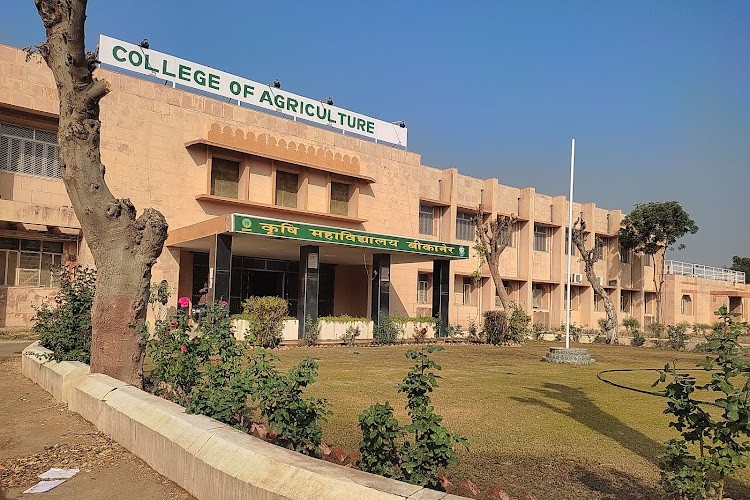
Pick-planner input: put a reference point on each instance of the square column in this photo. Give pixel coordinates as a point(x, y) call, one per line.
point(441, 276)
point(309, 284)
point(221, 264)
point(381, 286)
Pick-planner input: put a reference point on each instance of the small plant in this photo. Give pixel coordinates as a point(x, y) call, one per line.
point(518, 324)
point(638, 339)
point(701, 328)
point(415, 453)
point(538, 330)
point(677, 336)
point(631, 325)
point(655, 330)
point(385, 332)
point(454, 330)
point(420, 334)
point(158, 295)
point(279, 396)
point(312, 331)
point(65, 328)
point(719, 437)
point(266, 316)
point(496, 327)
point(350, 336)
point(575, 332)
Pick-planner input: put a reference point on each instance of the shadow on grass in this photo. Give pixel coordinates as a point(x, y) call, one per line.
point(584, 411)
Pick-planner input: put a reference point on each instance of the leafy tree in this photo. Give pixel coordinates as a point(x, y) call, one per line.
point(124, 247)
point(492, 239)
point(651, 228)
point(589, 257)
point(741, 264)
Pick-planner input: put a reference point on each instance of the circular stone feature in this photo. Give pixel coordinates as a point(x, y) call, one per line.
point(572, 356)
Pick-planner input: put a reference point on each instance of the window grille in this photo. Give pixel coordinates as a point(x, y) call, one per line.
point(29, 151)
point(339, 198)
point(504, 231)
point(537, 296)
point(465, 226)
point(540, 238)
point(466, 292)
point(225, 178)
point(423, 286)
point(426, 219)
point(286, 189)
point(624, 255)
point(29, 262)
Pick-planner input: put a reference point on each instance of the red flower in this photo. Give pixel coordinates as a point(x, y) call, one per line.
point(424, 330)
point(223, 303)
point(183, 349)
point(183, 302)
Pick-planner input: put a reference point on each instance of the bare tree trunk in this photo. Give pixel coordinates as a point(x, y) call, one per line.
point(578, 236)
point(659, 279)
point(124, 247)
point(491, 242)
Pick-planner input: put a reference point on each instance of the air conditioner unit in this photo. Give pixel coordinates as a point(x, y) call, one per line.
point(612, 282)
point(576, 278)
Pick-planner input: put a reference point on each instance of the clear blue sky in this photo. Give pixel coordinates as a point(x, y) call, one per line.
point(657, 94)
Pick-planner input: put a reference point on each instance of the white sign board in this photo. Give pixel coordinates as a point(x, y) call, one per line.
point(189, 74)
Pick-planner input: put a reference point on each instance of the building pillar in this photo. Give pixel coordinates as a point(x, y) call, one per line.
point(221, 264)
point(381, 286)
point(309, 284)
point(441, 277)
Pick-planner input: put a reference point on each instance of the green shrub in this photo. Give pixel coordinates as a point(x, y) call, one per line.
point(631, 325)
point(210, 374)
point(713, 444)
point(417, 452)
point(518, 324)
point(677, 336)
point(280, 398)
point(701, 328)
point(386, 332)
point(350, 336)
point(538, 330)
point(655, 330)
point(266, 319)
point(312, 331)
point(496, 327)
point(65, 327)
point(638, 339)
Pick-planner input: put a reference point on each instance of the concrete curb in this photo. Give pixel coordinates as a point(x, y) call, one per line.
point(205, 457)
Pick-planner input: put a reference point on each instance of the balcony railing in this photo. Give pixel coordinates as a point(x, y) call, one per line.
point(707, 272)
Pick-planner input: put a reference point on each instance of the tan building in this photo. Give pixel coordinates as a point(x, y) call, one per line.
point(261, 204)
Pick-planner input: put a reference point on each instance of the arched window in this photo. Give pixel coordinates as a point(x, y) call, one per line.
point(686, 305)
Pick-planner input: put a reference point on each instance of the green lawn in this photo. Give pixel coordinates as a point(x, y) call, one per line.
point(553, 429)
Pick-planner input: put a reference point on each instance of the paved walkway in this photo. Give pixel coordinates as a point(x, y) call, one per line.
point(38, 433)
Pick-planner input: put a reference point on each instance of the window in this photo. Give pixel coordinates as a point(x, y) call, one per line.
point(574, 298)
point(29, 262)
point(649, 298)
point(598, 302)
point(286, 189)
point(225, 178)
point(540, 238)
point(466, 291)
point(572, 243)
point(504, 232)
point(29, 151)
point(624, 255)
point(339, 198)
point(538, 296)
point(423, 287)
point(647, 259)
point(465, 224)
point(625, 301)
point(686, 305)
point(600, 245)
point(508, 289)
point(426, 219)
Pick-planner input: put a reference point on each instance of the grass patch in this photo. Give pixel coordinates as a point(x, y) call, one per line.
point(553, 429)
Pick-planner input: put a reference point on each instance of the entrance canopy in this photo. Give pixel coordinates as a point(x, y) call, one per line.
point(270, 238)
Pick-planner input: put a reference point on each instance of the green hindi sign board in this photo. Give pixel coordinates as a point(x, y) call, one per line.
point(339, 236)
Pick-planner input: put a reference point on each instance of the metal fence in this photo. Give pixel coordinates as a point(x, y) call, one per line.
point(707, 272)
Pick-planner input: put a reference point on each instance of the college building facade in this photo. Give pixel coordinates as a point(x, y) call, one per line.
point(264, 204)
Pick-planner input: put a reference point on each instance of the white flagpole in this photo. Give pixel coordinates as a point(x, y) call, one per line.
point(570, 242)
